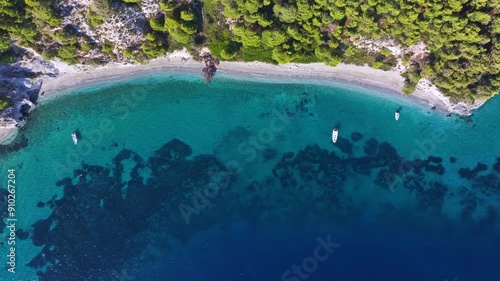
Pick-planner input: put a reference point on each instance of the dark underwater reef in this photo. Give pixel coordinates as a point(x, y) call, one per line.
point(102, 223)
point(110, 217)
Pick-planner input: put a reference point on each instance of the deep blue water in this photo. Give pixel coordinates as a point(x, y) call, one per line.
point(243, 253)
point(173, 179)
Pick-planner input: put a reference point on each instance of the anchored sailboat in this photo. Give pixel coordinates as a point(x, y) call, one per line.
point(335, 135)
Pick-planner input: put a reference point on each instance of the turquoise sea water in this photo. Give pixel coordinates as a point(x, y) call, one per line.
point(173, 179)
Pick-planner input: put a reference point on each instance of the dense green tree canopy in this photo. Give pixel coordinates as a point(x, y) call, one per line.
point(462, 35)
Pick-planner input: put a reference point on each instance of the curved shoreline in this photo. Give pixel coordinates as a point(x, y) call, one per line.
point(364, 77)
point(382, 83)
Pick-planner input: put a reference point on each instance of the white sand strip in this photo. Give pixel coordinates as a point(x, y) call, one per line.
point(364, 76)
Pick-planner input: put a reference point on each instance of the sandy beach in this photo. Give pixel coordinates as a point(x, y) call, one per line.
point(384, 82)
point(389, 82)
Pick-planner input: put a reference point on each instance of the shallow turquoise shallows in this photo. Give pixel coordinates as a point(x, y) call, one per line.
point(175, 179)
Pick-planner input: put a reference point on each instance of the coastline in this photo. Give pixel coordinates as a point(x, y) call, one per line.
point(8, 134)
point(364, 77)
point(388, 82)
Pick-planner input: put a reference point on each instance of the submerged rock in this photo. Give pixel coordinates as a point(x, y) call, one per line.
point(496, 166)
point(287, 155)
point(438, 169)
point(269, 154)
point(331, 172)
point(469, 204)
point(371, 146)
point(283, 171)
point(469, 174)
point(364, 165)
point(21, 234)
point(102, 221)
point(170, 154)
point(432, 197)
point(356, 136)
point(388, 151)
point(308, 172)
point(312, 154)
point(344, 145)
point(488, 185)
point(435, 159)
point(385, 178)
point(361, 165)
point(413, 183)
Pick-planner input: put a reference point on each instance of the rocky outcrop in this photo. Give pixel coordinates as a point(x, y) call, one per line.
point(124, 26)
point(428, 92)
point(28, 65)
point(425, 89)
point(22, 95)
point(150, 8)
point(20, 84)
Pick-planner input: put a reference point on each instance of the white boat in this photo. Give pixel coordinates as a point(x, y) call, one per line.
point(335, 135)
point(396, 116)
point(75, 139)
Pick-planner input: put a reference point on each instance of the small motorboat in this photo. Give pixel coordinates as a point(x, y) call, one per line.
point(335, 135)
point(396, 116)
point(75, 139)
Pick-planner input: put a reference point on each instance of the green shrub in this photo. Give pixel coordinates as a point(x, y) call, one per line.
point(263, 54)
point(85, 47)
point(107, 47)
point(391, 61)
point(158, 24)
point(152, 50)
point(7, 57)
point(67, 51)
point(55, 21)
point(310, 58)
point(129, 52)
point(187, 15)
point(95, 20)
point(377, 64)
point(5, 43)
point(166, 6)
point(406, 58)
point(65, 38)
point(359, 56)
point(412, 77)
point(227, 55)
point(216, 46)
point(4, 102)
point(409, 88)
point(49, 54)
point(461, 35)
point(386, 67)
point(101, 8)
point(386, 52)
